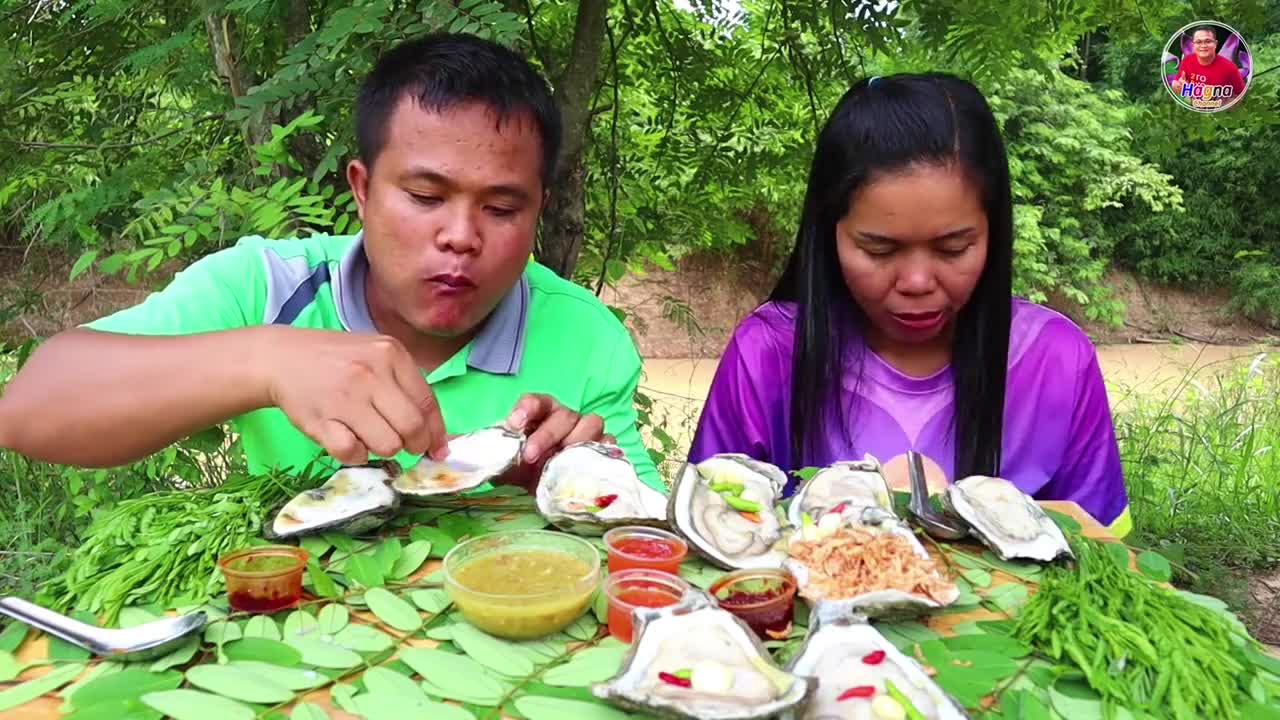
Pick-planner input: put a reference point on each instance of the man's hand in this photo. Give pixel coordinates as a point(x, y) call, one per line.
point(551, 426)
point(354, 394)
point(1178, 82)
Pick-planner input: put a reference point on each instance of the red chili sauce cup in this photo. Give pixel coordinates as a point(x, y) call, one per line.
point(644, 547)
point(762, 598)
point(627, 590)
point(264, 578)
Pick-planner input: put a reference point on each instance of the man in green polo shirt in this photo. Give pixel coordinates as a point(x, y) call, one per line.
point(431, 321)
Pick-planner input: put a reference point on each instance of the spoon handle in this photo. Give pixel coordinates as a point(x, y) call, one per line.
point(69, 629)
point(919, 485)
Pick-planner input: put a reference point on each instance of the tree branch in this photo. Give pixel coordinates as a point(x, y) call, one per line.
point(576, 87)
point(613, 163)
point(36, 145)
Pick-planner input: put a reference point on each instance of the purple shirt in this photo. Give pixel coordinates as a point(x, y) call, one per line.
point(1059, 442)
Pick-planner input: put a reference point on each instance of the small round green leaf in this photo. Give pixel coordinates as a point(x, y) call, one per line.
point(537, 707)
point(300, 622)
point(293, 678)
point(392, 610)
point(325, 655)
point(333, 618)
point(363, 638)
point(490, 651)
point(237, 683)
point(588, 666)
point(196, 705)
point(270, 651)
point(433, 600)
point(262, 626)
point(389, 682)
point(452, 676)
point(308, 711)
point(414, 554)
point(127, 684)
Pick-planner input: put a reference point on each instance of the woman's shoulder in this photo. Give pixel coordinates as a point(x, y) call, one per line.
point(1037, 330)
point(770, 328)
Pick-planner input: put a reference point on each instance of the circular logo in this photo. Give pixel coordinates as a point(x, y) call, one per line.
point(1206, 66)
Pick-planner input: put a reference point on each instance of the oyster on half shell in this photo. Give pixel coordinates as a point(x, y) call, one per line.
point(1006, 519)
point(589, 487)
point(707, 505)
point(859, 483)
point(474, 459)
point(729, 674)
point(878, 602)
point(842, 651)
point(354, 500)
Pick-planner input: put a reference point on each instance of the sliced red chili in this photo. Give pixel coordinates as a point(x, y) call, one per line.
point(857, 691)
point(670, 679)
point(605, 501)
point(840, 508)
point(874, 658)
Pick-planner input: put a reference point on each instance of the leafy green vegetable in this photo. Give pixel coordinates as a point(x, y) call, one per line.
point(293, 678)
point(263, 649)
point(441, 542)
point(196, 705)
point(392, 610)
point(333, 618)
point(237, 683)
point(536, 707)
point(1139, 645)
point(456, 677)
point(490, 651)
point(30, 690)
point(301, 622)
point(126, 684)
point(308, 711)
point(13, 635)
point(262, 626)
point(1155, 566)
point(324, 655)
point(366, 571)
point(415, 553)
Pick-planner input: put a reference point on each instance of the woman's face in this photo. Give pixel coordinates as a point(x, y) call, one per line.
point(912, 247)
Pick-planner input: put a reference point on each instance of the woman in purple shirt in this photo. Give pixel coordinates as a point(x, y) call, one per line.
point(894, 327)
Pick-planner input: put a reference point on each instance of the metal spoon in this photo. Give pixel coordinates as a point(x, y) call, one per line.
point(938, 525)
point(142, 642)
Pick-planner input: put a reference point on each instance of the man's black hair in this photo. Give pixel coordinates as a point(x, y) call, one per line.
point(1209, 28)
point(442, 70)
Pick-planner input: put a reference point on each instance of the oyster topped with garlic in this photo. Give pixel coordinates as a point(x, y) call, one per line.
point(726, 507)
point(589, 487)
point(694, 660)
point(1006, 519)
point(474, 459)
point(354, 499)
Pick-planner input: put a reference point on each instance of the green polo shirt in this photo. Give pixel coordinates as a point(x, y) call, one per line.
point(547, 335)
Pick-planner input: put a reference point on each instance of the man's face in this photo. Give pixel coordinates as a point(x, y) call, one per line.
point(1205, 45)
point(449, 212)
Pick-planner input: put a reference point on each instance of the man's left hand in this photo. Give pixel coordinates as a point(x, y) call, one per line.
point(550, 426)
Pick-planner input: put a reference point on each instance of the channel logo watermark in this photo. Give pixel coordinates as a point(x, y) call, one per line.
point(1206, 66)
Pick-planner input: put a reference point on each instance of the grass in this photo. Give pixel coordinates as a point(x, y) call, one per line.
point(1202, 466)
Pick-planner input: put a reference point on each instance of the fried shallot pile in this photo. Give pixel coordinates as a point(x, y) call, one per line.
point(852, 561)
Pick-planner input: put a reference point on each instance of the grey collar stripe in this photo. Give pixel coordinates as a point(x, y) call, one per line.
point(285, 277)
point(303, 296)
point(497, 348)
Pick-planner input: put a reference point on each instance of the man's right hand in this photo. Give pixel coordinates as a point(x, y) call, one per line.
point(355, 394)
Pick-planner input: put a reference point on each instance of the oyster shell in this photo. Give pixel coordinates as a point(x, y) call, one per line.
point(881, 603)
point(718, 532)
point(1006, 519)
point(859, 483)
point(838, 640)
point(589, 487)
point(474, 459)
point(354, 500)
point(732, 677)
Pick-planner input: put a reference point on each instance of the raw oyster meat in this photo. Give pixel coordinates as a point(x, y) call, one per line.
point(354, 500)
point(873, 600)
point(843, 652)
point(474, 459)
point(719, 667)
point(859, 483)
point(726, 507)
point(589, 487)
point(1006, 519)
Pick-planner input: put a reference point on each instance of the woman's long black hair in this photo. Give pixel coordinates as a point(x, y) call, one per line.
point(877, 128)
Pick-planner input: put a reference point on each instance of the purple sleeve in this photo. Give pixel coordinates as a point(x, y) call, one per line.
point(742, 402)
point(1090, 474)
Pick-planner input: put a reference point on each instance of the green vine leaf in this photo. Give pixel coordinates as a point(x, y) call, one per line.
point(222, 632)
point(392, 610)
point(363, 638)
point(325, 655)
point(321, 583)
point(978, 577)
point(293, 678)
point(490, 651)
point(586, 667)
point(308, 711)
point(196, 705)
point(365, 570)
point(126, 684)
point(907, 634)
point(1008, 597)
point(377, 706)
point(1028, 571)
point(32, 689)
point(441, 542)
point(180, 655)
point(238, 684)
point(261, 626)
point(1155, 566)
point(415, 553)
point(333, 618)
point(537, 707)
point(584, 628)
point(10, 668)
point(263, 649)
point(1076, 700)
point(13, 635)
point(456, 677)
point(380, 680)
point(388, 552)
point(300, 622)
point(433, 600)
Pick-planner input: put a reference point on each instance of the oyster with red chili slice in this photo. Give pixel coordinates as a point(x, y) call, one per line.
point(861, 675)
point(859, 483)
point(695, 660)
point(590, 487)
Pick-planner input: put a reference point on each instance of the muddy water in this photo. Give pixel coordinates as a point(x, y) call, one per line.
point(678, 386)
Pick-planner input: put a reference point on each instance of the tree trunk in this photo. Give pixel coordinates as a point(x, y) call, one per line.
point(563, 221)
point(224, 42)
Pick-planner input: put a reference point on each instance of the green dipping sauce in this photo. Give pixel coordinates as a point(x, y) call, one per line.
point(522, 594)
